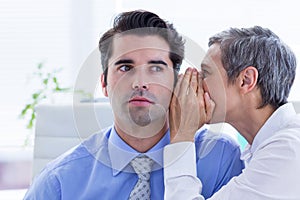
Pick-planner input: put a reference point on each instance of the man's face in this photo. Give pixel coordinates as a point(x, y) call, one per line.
point(140, 82)
point(216, 84)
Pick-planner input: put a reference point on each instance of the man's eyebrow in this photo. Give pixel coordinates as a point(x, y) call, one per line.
point(124, 61)
point(129, 61)
point(158, 62)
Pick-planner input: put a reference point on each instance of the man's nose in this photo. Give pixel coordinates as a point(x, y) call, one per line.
point(140, 81)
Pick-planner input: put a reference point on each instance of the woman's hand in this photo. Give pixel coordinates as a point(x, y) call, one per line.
point(190, 107)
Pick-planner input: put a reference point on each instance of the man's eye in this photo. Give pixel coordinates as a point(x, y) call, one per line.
point(125, 68)
point(156, 68)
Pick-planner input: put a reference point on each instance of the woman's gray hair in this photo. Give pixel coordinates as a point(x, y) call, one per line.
point(261, 48)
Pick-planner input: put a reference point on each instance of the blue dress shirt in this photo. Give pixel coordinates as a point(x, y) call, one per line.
point(99, 168)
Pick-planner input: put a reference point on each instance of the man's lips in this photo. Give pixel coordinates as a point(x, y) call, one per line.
point(140, 101)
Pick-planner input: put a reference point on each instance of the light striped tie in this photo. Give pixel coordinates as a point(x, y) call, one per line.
point(142, 166)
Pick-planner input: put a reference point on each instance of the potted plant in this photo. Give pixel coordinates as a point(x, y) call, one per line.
point(48, 85)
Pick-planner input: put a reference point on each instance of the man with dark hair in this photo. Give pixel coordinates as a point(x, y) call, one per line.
point(248, 73)
point(141, 56)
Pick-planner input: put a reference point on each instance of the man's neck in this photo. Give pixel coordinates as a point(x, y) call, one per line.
point(142, 144)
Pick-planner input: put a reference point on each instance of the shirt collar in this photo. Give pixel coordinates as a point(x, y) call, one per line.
point(121, 153)
point(278, 119)
point(246, 155)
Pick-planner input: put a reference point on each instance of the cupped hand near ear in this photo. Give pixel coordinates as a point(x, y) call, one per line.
point(190, 107)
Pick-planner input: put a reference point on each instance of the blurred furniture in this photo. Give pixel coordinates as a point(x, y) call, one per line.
point(61, 127)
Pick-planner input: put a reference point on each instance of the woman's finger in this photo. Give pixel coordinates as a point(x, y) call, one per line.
point(185, 84)
point(200, 90)
point(194, 82)
point(209, 107)
point(178, 85)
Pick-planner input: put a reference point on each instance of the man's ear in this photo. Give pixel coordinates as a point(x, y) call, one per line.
point(248, 79)
point(103, 85)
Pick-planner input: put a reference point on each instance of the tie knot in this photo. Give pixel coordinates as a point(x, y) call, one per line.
point(142, 166)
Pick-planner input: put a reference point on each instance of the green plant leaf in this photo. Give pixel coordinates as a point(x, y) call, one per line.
point(40, 66)
point(50, 84)
point(45, 81)
point(54, 79)
point(31, 121)
point(36, 95)
point(57, 89)
point(24, 111)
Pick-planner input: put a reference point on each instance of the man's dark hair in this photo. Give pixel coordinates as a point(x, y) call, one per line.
point(261, 48)
point(142, 23)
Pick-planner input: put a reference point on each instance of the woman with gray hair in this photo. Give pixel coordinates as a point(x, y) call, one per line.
point(248, 73)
